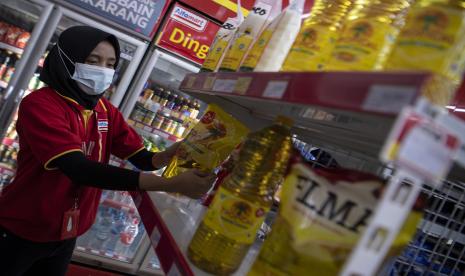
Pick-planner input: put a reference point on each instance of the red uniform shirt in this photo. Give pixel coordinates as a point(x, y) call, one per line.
point(50, 125)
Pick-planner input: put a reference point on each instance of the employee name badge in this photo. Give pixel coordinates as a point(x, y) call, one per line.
point(70, 224)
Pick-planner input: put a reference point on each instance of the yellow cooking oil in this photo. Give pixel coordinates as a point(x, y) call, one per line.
point(369, 32)
point(313, 45)
point(433, 40)
point(241, 203)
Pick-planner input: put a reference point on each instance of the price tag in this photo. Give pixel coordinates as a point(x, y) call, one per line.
point(208, 84)
point(226, 86)
point(421, 145)
point(275, 89)
point(242, 85)
point(190, 82)
point(388, 98)
point(262, 9)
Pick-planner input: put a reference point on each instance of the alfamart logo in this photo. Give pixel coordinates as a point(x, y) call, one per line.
point(189, 19)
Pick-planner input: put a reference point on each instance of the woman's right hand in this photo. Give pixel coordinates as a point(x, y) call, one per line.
point(192, 183)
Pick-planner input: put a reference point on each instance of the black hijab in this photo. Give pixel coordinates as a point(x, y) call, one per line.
point(77, 42)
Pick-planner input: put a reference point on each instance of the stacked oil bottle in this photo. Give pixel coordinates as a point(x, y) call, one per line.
point(348, 35)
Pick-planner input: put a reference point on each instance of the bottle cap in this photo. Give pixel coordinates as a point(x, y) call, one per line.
point(284, 120)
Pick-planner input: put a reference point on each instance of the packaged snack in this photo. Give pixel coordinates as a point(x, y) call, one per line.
point(322, 215)
point(208, 143)
point(11, 35)
point(3, 30)
point(22, 39)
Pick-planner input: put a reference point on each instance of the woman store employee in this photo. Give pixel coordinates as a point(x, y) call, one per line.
point(67, 132)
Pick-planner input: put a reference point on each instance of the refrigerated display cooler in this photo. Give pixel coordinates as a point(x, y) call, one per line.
point(117, 239)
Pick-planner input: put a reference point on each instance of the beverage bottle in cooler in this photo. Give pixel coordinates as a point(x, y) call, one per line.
point(156, 95)
point(369, 32)
point(172, 101)
point(312, 47)
point(10, 69)
point(433, 40)
point(164, 98)
point(105, 223)
point(238, 209)
point(127, 237)
point(119, 224)
point(4, 64)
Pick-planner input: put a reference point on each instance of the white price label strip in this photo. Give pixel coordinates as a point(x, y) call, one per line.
point(275, 89)
point(388, 98)
point(226, 86)
point(429, 152)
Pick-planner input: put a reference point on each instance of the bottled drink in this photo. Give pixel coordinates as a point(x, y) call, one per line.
point(369, 32)
point(164, 97)
point(156, 95)
point(127, 236)
point(10, 68)
point(119, 224)
point(172, 101)
point(104, 226)
point(433, 39)
point(312, 47)
point(4, 65)
point(241, 202)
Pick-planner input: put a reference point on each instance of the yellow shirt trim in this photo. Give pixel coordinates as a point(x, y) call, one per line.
point(137, 151)
point(56, 156)
point(68, 98)
point(103, 106)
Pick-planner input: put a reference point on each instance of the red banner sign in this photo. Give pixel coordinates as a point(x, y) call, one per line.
point(222, 9)
point(187, 34)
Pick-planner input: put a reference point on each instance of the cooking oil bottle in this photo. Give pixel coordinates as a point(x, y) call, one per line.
point(433, 39)
point(317, 36)
point(368, 35)
point(242, 201)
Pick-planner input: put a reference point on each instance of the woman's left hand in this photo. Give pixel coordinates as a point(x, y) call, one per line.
point(161, 159)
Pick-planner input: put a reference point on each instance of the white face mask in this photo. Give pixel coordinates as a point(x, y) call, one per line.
point(91, 79)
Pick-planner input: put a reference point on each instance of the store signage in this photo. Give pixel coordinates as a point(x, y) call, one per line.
point(187, 34)
point(140, 16)
point(222, 9)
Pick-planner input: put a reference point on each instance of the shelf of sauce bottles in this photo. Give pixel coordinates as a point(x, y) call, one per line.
point(166, 111)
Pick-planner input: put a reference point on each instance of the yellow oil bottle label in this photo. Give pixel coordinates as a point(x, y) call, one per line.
point(428, 39)
point(363, 45)
point(235, 217)
point(236, 52)
point(311, 49)
point(215, 54)
point(256, 52)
